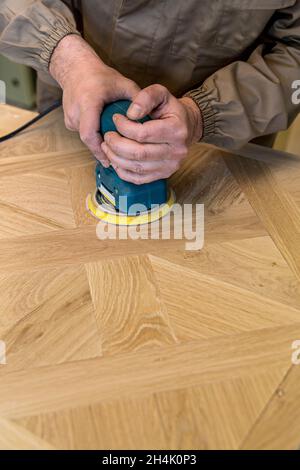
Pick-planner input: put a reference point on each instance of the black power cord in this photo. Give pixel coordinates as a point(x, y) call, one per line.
point(54, 106)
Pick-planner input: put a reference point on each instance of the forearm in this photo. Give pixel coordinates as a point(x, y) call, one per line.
point(72, 51)
point(31, 29)
point(249, 99)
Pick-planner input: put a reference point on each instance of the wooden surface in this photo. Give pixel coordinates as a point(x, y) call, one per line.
point(141, 344)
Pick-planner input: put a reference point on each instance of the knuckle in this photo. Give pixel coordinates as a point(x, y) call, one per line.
point(160, 88)
point(176, 166)
point(138, 168)
point(69, 123)
point(141, 134)
point(185, 151)
point(139, 154)
point(146, 92)
point(109, 138)
point(132, 85)
point(85, 137)
point(136, 179)
point(172, 170)
point(70, 126)
point(182, 134)
point(113, 147)
point(181, 152)
point(136, 154)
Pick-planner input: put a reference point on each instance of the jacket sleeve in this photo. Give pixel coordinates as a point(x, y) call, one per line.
point(245, 100)
point(31, 29)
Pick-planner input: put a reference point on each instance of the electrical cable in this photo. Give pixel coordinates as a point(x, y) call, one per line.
point(54, 106)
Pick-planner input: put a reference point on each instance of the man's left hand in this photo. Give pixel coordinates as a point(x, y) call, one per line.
point(141, 153)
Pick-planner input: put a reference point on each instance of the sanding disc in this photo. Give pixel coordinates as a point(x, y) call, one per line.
point(107, 213)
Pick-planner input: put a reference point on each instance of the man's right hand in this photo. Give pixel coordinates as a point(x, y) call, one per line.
point(88, 84)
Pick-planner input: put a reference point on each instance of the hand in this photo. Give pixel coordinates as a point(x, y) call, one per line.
point(155, 149)
point(88, 84)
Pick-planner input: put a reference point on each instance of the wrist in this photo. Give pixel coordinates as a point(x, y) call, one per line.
point(195, 119)
point(72, 53)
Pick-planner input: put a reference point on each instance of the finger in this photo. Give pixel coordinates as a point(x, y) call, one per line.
point(132, 150)
point(71, 115)
point(71, 123)
point(140, 173)
point(156, 131)
point(140, 179)
point(140, 168)
point(89, 133)
point(147, 100)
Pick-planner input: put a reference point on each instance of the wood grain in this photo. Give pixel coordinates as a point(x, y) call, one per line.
point(203, 417)
point(135, 318)
point(204, 315)
point(138, 344)
point(278, 426)
point(13, 436)
point(168, 368)
point(274, 205)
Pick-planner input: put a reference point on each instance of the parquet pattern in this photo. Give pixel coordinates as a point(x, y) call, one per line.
point(136, 344)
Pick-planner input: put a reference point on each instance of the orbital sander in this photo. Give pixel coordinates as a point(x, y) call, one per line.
point(120, 202)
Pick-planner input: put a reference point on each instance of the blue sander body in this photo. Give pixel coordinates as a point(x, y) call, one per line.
point(119, 202)
point(111, 186)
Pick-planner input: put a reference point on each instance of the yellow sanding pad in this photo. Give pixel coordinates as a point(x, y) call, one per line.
point(107, 213)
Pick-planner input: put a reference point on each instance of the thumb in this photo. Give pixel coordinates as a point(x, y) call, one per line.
point(147, 100)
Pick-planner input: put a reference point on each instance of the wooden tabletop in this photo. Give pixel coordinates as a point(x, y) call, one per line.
point(140, 343)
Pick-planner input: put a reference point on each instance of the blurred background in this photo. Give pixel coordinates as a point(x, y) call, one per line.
point(20, 84)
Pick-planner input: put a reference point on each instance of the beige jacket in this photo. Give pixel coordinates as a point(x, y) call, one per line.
point(238, 59)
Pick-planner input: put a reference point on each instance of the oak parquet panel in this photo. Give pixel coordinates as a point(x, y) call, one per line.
point(141, 343)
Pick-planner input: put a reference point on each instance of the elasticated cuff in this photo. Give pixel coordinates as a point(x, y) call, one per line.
point(203, 98)
point(55, 35)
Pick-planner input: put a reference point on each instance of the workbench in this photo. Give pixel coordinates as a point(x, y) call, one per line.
point(116, 344)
